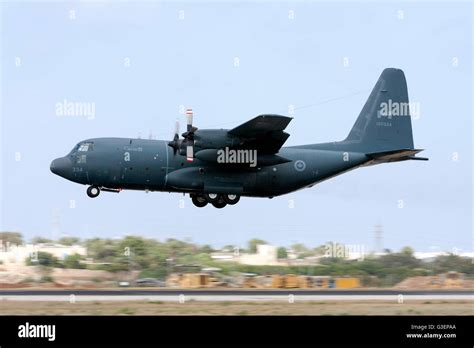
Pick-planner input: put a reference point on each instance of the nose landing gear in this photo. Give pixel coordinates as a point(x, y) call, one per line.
point(93, 191)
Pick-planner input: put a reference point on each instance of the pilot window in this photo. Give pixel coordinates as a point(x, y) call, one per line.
point(84, 147)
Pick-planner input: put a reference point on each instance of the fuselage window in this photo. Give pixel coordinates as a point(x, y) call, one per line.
point(81, 159)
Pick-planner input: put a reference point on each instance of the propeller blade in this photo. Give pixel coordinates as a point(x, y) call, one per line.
point(189, 153)
point(176, 129)
point(189, 116)
point(175, 143)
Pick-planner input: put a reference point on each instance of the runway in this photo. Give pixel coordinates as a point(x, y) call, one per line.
point(245, 295)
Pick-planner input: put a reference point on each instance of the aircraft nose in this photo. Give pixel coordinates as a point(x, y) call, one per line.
point(61, 166)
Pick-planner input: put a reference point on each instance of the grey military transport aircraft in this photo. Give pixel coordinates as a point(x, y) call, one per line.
point(219, 166)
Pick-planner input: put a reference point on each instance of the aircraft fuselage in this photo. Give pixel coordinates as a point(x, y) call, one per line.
point(141, 164)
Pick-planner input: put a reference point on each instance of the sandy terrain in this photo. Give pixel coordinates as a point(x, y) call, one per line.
point(238, 308)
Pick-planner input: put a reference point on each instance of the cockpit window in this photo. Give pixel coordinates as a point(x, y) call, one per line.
point(84, 147)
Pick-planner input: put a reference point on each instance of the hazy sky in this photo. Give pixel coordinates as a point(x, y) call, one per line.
point(138, 62)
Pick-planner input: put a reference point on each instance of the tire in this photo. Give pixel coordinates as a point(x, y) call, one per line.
point(199, 201)
point(211, 197)
point(231, 199)
point(220, 203)
point(93, 191)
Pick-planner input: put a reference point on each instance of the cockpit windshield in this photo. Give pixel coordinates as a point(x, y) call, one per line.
point(86, 146)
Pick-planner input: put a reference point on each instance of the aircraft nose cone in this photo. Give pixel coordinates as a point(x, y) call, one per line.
point(61, 166)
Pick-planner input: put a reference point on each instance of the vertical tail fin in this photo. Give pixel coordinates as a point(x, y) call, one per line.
point(384, 124)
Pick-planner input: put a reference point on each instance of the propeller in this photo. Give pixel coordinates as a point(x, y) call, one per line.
point(186, 145)
point(189, 136)
point(175, 143)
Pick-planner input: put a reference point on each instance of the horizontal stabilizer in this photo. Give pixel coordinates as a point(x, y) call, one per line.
point(418, 158)
point(394, 156)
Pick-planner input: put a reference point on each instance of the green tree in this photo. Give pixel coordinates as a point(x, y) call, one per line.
point(69, 240)
point(320, 250)
point(42, 258)
point(135, 252)
point(73, 261)
point(252, 244)
point(205, 249)
point(41, 240)
point(451, 262)
point(136, 245)
point(281, 253)
point(407, 251)
point(101, 250)
point(299, 248)
point(13, 238)
point(302, 250)
point(178, 248)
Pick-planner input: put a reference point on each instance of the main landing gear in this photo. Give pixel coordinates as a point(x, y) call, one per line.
point(217, 200)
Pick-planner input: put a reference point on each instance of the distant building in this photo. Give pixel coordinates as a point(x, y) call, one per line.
point(428, 256)
point(223, 256)
point(17, 254)
point(265, 255)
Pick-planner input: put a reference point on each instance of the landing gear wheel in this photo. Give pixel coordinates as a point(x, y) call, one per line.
point(231, 199)
point(220, 203)
point(199, 201)
point(93, 191)
point(211, 197)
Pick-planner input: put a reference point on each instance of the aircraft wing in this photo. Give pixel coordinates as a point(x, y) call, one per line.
point(263, 133)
